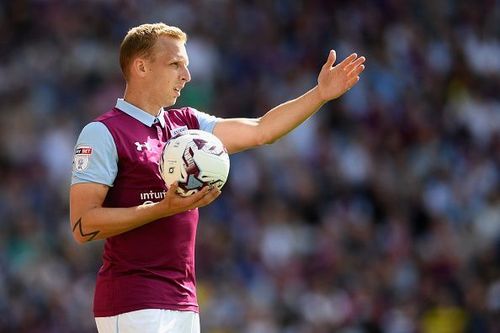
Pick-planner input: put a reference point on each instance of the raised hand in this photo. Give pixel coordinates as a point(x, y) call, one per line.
point(333, 81)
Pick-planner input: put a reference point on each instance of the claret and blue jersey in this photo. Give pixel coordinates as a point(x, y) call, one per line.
point(151, 266)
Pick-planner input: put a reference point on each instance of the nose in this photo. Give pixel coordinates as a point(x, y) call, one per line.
point(186, 75)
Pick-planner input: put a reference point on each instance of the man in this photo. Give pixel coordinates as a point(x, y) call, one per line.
point(147, 281)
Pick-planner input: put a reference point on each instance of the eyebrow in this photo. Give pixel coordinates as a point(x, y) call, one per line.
point(179, 59)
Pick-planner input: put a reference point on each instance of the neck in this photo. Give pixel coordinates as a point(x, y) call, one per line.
point(142, 100)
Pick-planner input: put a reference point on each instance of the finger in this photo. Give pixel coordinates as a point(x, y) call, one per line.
point(356, 71)
point(332, 56)
point(352, 82)
point(347, 61)
point(199, 195)
point(193, 200)
point(355, 64)
point(209, 197)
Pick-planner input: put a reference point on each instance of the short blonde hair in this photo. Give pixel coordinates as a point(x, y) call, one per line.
point(140, 41)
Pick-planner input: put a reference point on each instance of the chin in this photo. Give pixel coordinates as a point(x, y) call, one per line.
point(170, 102)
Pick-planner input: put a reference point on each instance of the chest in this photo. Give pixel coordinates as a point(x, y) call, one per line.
point(140, 147)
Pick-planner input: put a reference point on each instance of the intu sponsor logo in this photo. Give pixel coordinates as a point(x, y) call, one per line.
point(153, 195)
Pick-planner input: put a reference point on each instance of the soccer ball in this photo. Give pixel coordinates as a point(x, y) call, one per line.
point(195, 159)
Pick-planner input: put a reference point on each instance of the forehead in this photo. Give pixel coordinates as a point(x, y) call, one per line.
point(170, 48)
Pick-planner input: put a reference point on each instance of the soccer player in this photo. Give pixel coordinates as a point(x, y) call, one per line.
point(147, 281)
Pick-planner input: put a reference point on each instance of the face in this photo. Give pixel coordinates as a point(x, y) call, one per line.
point(167, 71)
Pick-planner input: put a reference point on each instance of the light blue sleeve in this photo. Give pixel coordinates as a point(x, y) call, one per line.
point(95, 157)
point(207, 122)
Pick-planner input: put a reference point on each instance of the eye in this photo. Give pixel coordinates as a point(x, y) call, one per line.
point(175, 64)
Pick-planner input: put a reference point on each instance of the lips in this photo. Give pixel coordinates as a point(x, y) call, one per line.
point(178, 89)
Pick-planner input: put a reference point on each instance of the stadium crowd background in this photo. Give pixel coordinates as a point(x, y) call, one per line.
point(380, 214)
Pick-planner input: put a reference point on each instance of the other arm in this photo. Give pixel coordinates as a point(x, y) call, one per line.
point(91, 221)
point(239, 134)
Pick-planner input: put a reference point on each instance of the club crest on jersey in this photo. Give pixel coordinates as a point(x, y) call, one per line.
point(81, 158)
point(176, 131)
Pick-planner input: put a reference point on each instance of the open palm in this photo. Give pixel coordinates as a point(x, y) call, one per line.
point(333, 81)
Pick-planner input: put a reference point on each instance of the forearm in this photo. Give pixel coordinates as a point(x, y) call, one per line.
point(283, 118)
point(239, 134)
point(104, 222)
point(90, 220)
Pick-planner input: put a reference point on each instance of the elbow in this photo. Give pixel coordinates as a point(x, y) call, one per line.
point(255, 142)
point(264, 139)
point(80, 236)
point(269, 141)
point(78, 239)
point(263, 135)
point(77, 236)
point(76, 231)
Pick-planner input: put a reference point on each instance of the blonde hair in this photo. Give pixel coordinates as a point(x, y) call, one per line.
point(140, 41)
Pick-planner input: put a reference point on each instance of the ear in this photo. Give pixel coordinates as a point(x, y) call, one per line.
point(139, 67)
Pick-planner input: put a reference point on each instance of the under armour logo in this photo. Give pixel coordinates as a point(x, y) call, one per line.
point(140, 146)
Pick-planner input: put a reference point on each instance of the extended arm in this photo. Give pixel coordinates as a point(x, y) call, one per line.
point(91, 221)
point(239, 134)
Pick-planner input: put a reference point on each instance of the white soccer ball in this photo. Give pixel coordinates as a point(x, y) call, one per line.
point(195, 159)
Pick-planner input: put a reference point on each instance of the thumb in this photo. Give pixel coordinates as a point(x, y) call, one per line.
point(332, 56)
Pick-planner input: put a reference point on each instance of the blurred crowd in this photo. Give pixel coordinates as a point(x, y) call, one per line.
point(380, 214)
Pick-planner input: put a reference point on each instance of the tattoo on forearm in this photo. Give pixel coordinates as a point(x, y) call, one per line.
point(91, 235)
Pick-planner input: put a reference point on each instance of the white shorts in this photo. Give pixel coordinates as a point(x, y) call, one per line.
point(150, 321)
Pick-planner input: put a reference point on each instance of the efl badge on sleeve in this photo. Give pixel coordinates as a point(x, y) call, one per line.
point(82, 156)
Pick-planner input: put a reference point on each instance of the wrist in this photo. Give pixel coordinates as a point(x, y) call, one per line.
point(153, 211)
point(316, 96)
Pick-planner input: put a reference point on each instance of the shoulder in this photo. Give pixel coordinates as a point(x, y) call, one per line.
point(95, 156)
point(113, 113)
point(96, 134)
point(189, 115)
point(182, 116)
point(186, 111)
point(95, 129)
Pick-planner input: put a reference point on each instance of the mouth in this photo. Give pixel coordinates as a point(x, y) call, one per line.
point(178, 91)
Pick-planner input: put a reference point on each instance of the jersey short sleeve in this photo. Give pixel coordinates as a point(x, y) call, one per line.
point(95, 157)
point(207, 122)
